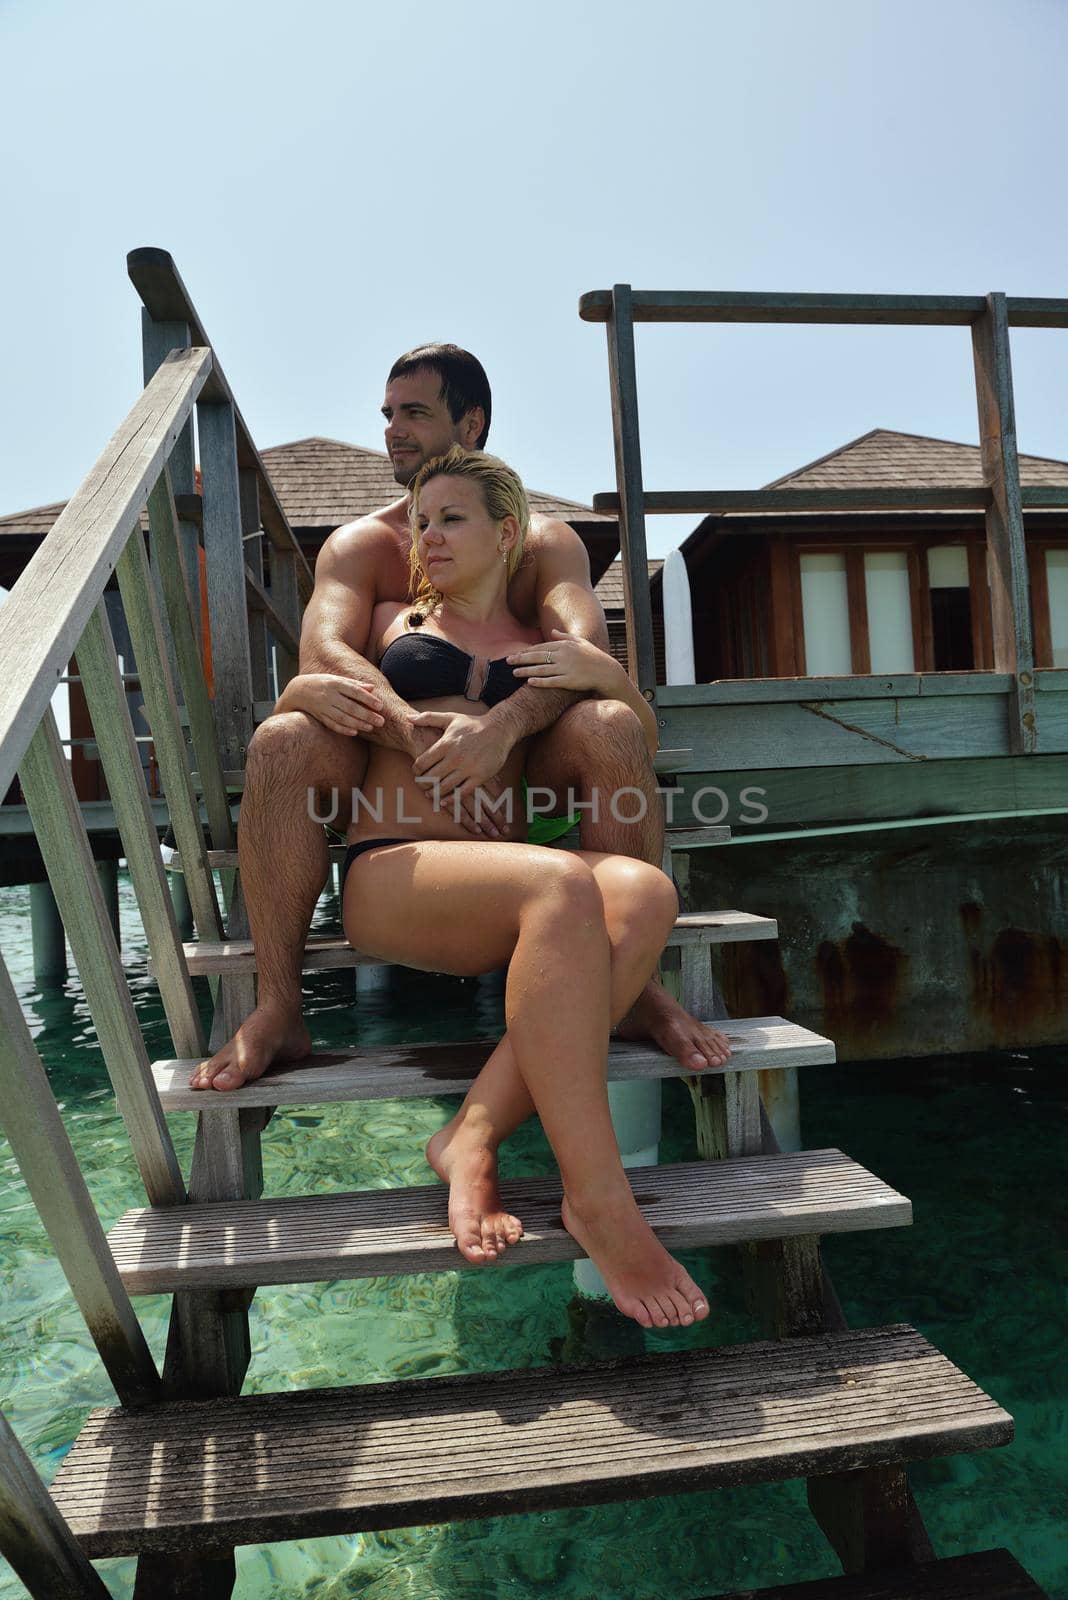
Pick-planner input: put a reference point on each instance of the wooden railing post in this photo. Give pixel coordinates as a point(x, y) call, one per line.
point(1010, 603)
point(224, 551)
point(34, 1537)
point(157, 339)
point(624, 385)
point(40, 1144)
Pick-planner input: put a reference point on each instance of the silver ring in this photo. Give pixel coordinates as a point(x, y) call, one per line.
point(548, 658)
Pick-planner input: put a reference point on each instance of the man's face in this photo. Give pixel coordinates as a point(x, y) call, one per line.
point(418, 424)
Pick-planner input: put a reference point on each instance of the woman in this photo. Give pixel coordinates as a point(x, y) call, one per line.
point(580, 932)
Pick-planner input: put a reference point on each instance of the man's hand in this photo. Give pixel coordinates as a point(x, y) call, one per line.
point(465, 758)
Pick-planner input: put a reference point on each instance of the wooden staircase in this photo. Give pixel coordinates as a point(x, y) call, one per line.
point(186, 1467)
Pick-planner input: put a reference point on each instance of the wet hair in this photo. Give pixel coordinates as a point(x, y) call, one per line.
point(463, 380)
point(502, 494)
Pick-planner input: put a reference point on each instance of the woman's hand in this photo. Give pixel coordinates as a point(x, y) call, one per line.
point(564, 662)
point(343, 705)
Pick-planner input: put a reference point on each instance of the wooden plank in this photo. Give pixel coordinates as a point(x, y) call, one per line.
point(303, 1239)
point(1009, 600)
point(1038, 577)
point(181, 614)
point(231, 663)
point(991, 1575)
point(34, 1537)
point(783, 639)
point(631, 510)
point(158, 339)
point(864, 1515)
point(901, 310)
point(286, 596)
point(979, 605)
point(166, 298)
point(39, 1142)
point(161, 706)
point(860, 645)
point(46, 612)
point(773, 691)
point(277, 1466)
point(253, 537)
point(828, 733)
point(329, 952)
point(720, 502)
point(110, 712)
point(411, 1071)
point(64, 845)
point(264, 614)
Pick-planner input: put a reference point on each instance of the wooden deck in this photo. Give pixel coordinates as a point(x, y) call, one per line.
point(329, 1461)
point(409, 1071)
point(306, 1238)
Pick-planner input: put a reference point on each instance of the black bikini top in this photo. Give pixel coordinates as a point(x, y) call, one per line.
point(422, 666)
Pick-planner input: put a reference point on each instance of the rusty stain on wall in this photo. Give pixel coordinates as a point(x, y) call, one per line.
point(1019, 980)
point(753, 979)
point(862, 978)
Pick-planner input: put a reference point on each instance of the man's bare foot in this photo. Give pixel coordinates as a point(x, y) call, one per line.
point(645, 1282)
point(267, 1035)
point(657, 1015)
point(483, 1230)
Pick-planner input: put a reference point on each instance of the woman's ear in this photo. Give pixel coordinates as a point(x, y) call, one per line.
point(507, 532)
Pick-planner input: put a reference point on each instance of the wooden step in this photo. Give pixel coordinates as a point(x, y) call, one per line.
point(334, 1461)
point(331, 951)
point(992, 1575)
point(308, 1238)
point(406, 1072)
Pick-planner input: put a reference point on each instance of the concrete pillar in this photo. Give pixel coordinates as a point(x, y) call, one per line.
point(183, 911)
point(49, 942)
point(636, 1118)
point(108, 874)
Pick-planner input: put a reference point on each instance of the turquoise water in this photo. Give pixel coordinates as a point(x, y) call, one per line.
point(973, 1141)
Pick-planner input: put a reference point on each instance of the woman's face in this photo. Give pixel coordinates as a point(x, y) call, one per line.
point(456, 538)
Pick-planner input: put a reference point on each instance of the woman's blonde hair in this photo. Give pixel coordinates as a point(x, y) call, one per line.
point(503, 496)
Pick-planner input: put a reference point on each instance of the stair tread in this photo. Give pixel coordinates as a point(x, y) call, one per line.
point(308, 1238)
point(305, 1464)
point(987, 1575)
point(325, 950)
point(404, 1072)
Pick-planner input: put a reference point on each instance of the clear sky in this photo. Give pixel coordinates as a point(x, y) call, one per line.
point(338, 182)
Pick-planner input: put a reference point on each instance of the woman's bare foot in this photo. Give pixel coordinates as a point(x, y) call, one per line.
point(267, 1035)
point(657, 1015)
point(483, 1230)
point(645, 1282)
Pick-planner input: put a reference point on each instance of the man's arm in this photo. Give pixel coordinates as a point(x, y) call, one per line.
point(566, 601)
point(336, 628)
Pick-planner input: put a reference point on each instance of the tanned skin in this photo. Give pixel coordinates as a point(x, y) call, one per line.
point(317, 738)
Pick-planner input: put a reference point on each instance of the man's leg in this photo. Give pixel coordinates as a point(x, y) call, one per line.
point(597, 750)
point(284, 864)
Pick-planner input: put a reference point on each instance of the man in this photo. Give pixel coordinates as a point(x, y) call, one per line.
point(436, 396)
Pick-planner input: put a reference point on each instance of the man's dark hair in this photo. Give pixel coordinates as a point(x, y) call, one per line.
point(463, 379)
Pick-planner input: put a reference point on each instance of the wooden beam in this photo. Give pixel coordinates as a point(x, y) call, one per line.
point(64, 845)
point(1039, 575)
point(158, 339)
point(703, 502)
point(979, 601)
point(46, 612)
point(253, 537)
point(34, 1537)
point(110, 712)
point(231, 662)
point(900, 310)
point(783, 639)
point(857, 588)
point(158, 282)
point(1010, 603)
point(636, 598)
point(262, 608)
point(40, 1144)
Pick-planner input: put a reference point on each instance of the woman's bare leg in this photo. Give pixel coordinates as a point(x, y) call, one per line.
point(637, 899)
point(467, 908)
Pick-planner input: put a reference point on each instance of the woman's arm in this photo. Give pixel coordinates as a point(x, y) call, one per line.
point(578, 664)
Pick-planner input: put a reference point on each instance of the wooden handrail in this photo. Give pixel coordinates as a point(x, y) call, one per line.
point(56, 594)
point(899, 310)
point(157, 280)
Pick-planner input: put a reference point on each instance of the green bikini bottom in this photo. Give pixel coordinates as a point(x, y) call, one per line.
point(545, 830)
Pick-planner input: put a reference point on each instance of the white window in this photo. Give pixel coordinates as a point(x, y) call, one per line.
point(886, 583)
point(1057, 581)
point(947, 566)
point(825, 609)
